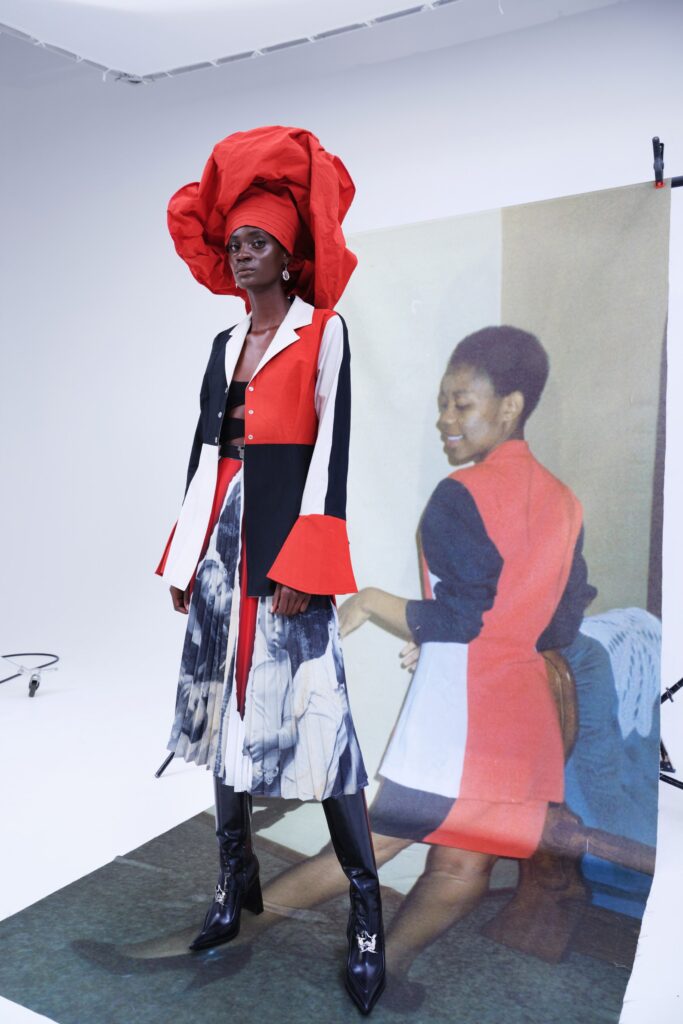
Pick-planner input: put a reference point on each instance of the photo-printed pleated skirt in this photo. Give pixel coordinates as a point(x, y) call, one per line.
point(262, 698)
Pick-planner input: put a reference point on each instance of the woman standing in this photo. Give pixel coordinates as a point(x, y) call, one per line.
point(260, 545)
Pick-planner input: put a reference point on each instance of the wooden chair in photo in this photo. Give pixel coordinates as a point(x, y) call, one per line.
point(549, 914)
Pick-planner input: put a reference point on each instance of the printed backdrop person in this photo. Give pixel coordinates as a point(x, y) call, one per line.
point(588, 275)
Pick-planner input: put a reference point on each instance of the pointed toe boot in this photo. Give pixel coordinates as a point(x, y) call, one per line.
point(350, 833)
point(238, 885)
point(365, 966)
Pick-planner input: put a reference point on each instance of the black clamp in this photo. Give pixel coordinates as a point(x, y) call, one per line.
point(658, 150)
point(670, 690)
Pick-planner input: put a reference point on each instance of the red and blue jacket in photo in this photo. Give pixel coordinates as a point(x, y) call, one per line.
point(297, 422)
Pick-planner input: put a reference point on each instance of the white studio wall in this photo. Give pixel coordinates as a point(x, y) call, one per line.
point(105, 337)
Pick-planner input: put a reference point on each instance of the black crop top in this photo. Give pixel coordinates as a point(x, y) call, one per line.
point(236, 393)
point(233, 426)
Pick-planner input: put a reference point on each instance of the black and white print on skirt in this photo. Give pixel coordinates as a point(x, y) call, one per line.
point(297, 738)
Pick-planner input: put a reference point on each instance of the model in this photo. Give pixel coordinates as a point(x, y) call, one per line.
point(260, 545)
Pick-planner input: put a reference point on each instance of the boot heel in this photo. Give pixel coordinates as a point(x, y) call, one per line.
point(253, 899)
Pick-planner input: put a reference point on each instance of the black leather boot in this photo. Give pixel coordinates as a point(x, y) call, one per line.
point(347, 820)
point(238, 883)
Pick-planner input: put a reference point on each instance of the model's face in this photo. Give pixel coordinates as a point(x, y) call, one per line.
point(473, 419)
point(256, 258)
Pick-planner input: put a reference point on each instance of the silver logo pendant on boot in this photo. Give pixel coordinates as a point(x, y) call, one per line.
point(366, 942)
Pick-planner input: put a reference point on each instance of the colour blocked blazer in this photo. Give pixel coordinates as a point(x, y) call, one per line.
point(297, 423)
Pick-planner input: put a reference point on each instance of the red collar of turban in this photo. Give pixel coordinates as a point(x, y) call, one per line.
point(283, 181)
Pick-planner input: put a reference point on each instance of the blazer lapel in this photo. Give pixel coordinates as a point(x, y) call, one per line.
point(300, 314)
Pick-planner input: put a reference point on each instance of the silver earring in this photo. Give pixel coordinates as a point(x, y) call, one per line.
point(285, 274)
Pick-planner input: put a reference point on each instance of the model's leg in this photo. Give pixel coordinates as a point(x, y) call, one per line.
point(237, 887)
point(309, 883)
point(450, 887)
point(300, 887)
point(238, 882)
point(316, 880)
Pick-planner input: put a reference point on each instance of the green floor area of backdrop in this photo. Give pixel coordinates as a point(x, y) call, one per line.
point(62, 956)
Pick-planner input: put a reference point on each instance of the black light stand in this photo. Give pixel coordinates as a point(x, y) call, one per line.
point(665, 766)
point(160, 771)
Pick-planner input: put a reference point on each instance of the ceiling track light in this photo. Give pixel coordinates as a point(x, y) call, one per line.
point(133, 79)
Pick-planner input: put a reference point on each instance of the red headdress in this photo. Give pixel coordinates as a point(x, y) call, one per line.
point(278, 179)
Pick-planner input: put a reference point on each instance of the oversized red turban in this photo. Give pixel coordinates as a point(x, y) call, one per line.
point(281, 180)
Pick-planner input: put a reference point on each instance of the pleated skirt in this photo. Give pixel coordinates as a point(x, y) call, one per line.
point(262, 699)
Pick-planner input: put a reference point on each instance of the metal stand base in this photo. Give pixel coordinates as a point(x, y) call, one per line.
point(160, 771)
point(665, 765)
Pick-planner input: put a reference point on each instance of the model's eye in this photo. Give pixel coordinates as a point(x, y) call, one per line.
point(258, 243)
point(233, 246)
point(463, 406)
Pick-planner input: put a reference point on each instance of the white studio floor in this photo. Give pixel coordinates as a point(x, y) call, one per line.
point(78, 766)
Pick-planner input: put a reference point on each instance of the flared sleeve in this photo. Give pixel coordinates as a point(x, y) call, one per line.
point(315, 557)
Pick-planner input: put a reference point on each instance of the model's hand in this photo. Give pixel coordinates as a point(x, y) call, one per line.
point(287, 601)
point(181, 599)
point(409, 655)
point(354, 611)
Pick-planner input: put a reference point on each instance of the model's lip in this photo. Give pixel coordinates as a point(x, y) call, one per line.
point(245, 270)
point(452, 438)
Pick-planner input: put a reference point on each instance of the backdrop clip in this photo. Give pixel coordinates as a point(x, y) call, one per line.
point(658, 149)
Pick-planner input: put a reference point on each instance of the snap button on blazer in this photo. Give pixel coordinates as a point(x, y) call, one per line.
point(297, 422)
